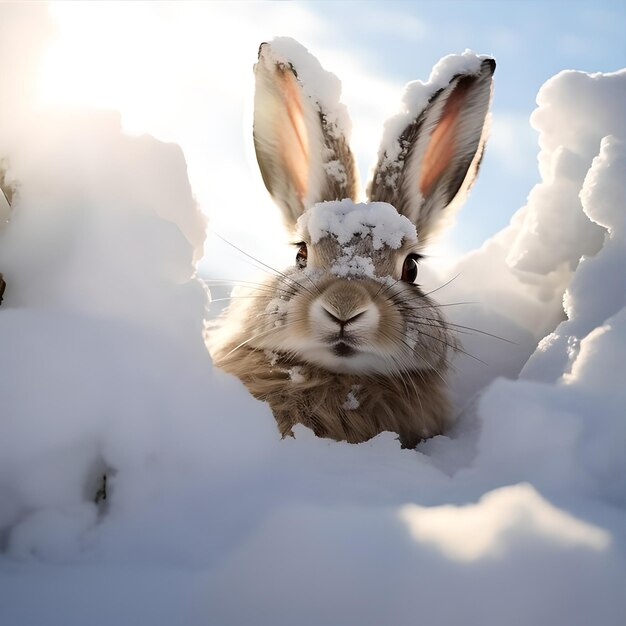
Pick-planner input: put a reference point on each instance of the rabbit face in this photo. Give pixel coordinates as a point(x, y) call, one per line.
point(354, 306)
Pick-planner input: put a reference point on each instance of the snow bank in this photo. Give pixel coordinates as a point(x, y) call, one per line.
point(518, 518)
point(589, 297)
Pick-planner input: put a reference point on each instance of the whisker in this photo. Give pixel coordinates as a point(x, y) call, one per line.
point(412, 351)
point(468, 328)
point(269, 288)
point(433, 305)
point(251, 297)
point(455, 348)
point(256, 287)
point(235, 282)
point(384, 288)
point(313, 283)
point(444, 285)
point(243, 343)
point(269, 267)
point(448, 324)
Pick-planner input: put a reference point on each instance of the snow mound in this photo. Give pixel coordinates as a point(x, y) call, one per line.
point(587, 298)
point(590, 107)
point(91, 232)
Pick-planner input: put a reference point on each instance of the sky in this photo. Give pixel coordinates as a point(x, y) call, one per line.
point(182, 72)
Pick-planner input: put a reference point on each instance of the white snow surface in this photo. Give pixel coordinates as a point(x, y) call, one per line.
point(517, 517)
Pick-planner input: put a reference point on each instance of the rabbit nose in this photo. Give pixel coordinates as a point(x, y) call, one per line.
point(342, 321)
point(345, 302)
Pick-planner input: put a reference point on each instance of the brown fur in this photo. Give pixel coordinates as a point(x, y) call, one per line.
point(414, 405)
point(410, 399)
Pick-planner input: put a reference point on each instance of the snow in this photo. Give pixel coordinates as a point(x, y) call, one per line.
point(353, 265)
point(587, 298)
point(336, 170)
point(568, 148)
point(471, 532)
point(352, 399)
point(346, 219)
point(517, 517)
point(296, 375)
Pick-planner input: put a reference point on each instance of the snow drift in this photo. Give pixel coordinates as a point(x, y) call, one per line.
point(516, 518)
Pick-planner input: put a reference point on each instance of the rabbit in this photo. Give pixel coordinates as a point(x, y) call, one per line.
point(344, 341)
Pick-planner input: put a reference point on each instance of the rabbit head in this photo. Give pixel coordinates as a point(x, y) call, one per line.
point(348, 313)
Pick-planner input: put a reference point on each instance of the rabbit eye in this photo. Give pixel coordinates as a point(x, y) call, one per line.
point(409, 269)
point(301, 256)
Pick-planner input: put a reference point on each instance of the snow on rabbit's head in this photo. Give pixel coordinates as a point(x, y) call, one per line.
point(349, 303)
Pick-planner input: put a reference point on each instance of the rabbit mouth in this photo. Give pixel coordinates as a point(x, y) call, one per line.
point(344, 355)
point(342, 349)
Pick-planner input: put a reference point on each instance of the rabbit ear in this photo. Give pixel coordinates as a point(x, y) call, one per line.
point(302, 151)
point(434, 160)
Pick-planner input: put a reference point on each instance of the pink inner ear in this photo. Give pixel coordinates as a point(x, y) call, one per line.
point(293, 137)
point(442, 145)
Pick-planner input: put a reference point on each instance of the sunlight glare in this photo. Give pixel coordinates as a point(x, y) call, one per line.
point(182, 72)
